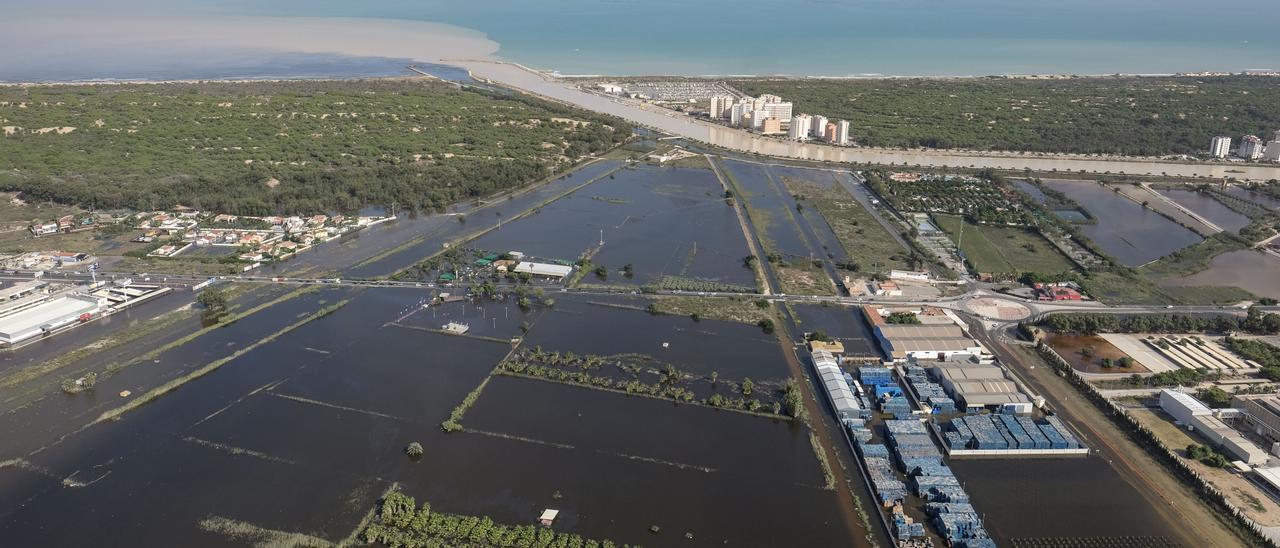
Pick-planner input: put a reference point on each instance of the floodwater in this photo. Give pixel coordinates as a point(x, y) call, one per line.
point(303, 433)
point(1031, 190)
point(386, 248)
point(662, 221)
point(1209, 208)
point(844, 324)
point(733, 350)
point(1252, 271)
point(1128, 232)
point(771, 208)
point(1255, 197)
point(1042, 499)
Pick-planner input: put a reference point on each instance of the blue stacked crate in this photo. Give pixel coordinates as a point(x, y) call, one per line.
point(1033, 431)
point(985, 435)
point(897, 405)
point(1003, 431)
point(888, 487)
point(887, 390)
point(1066, 434)
point(941, 404)
point(956, 440)
point(1055, 439)
point(874, 450)
point(874, 376)
point(956, 521)
point(905, 427)
point(1019, 437)
point(931, 487)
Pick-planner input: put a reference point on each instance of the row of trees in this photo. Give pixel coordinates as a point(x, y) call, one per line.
point(401, 523)
point(1255, 322)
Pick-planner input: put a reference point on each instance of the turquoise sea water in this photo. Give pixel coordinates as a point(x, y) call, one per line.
point(848, 37)
point(827, 37)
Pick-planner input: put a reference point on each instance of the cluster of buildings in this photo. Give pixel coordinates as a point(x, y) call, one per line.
point(37, 308)
point(258, 238)
point(62, 225)
point(1059, 291)
point(770, 115)
point(935, 391)
point(1212, 423)
point(46, 260)
point(1251, 148)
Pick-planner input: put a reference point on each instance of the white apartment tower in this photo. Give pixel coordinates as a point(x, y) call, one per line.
point(818, 126)
point(1220, 147)
point(842, 133)
point(720, 106)
point(1250, 148)
point(800, 127)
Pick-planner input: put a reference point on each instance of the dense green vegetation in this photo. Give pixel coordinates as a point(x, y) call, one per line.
point(1254, 322)
point(401, 522)
point(1207, 456)
point(285, 147)
point(1111, 115)
point(1268, 356)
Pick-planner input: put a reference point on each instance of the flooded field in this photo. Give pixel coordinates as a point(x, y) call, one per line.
point(1126, 231)
point(734, 350)
point(1048, 500)
point(1253, 271)
point(1207, 207)
point(386, 248)
point(772, 210)
point(1255, 197)
point(662, 221)
point(844, 324)
point(301, 434)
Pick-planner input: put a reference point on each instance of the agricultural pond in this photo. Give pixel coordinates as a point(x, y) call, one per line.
point(1208, 208)
point(1125, 230)
point(1253, 271)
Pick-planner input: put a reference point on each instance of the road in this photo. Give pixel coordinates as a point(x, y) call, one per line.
point(666, 120)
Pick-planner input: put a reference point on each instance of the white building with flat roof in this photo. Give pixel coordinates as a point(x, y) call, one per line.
point(818, 126)
point(544, 269)
point(1220, 147)
point(800, 127)
point(47, 316)
point(1251, 148)
point(842, 133)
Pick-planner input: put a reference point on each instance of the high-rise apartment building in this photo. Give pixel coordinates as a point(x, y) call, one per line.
point(801, 126)
point(1220, 147)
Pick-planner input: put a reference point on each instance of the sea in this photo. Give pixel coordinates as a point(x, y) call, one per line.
point(835, 38)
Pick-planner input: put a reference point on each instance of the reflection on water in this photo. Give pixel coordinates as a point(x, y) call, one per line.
point(1056, 498)
point(1253, 271)
point(1125, 230)
point(1209, 208)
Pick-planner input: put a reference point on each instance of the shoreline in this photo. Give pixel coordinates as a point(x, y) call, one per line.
point(554, 75)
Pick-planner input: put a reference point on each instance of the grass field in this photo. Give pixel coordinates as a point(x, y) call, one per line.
point(863, 238)
point(999, 249)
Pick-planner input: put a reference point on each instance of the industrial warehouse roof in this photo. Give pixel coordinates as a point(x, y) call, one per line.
point(20, 287)
point(958, 372)
point(906, 331)
point(544, 269)
point(995, 399)
point(19, 325)
point(932, 345)
point(967, 389)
